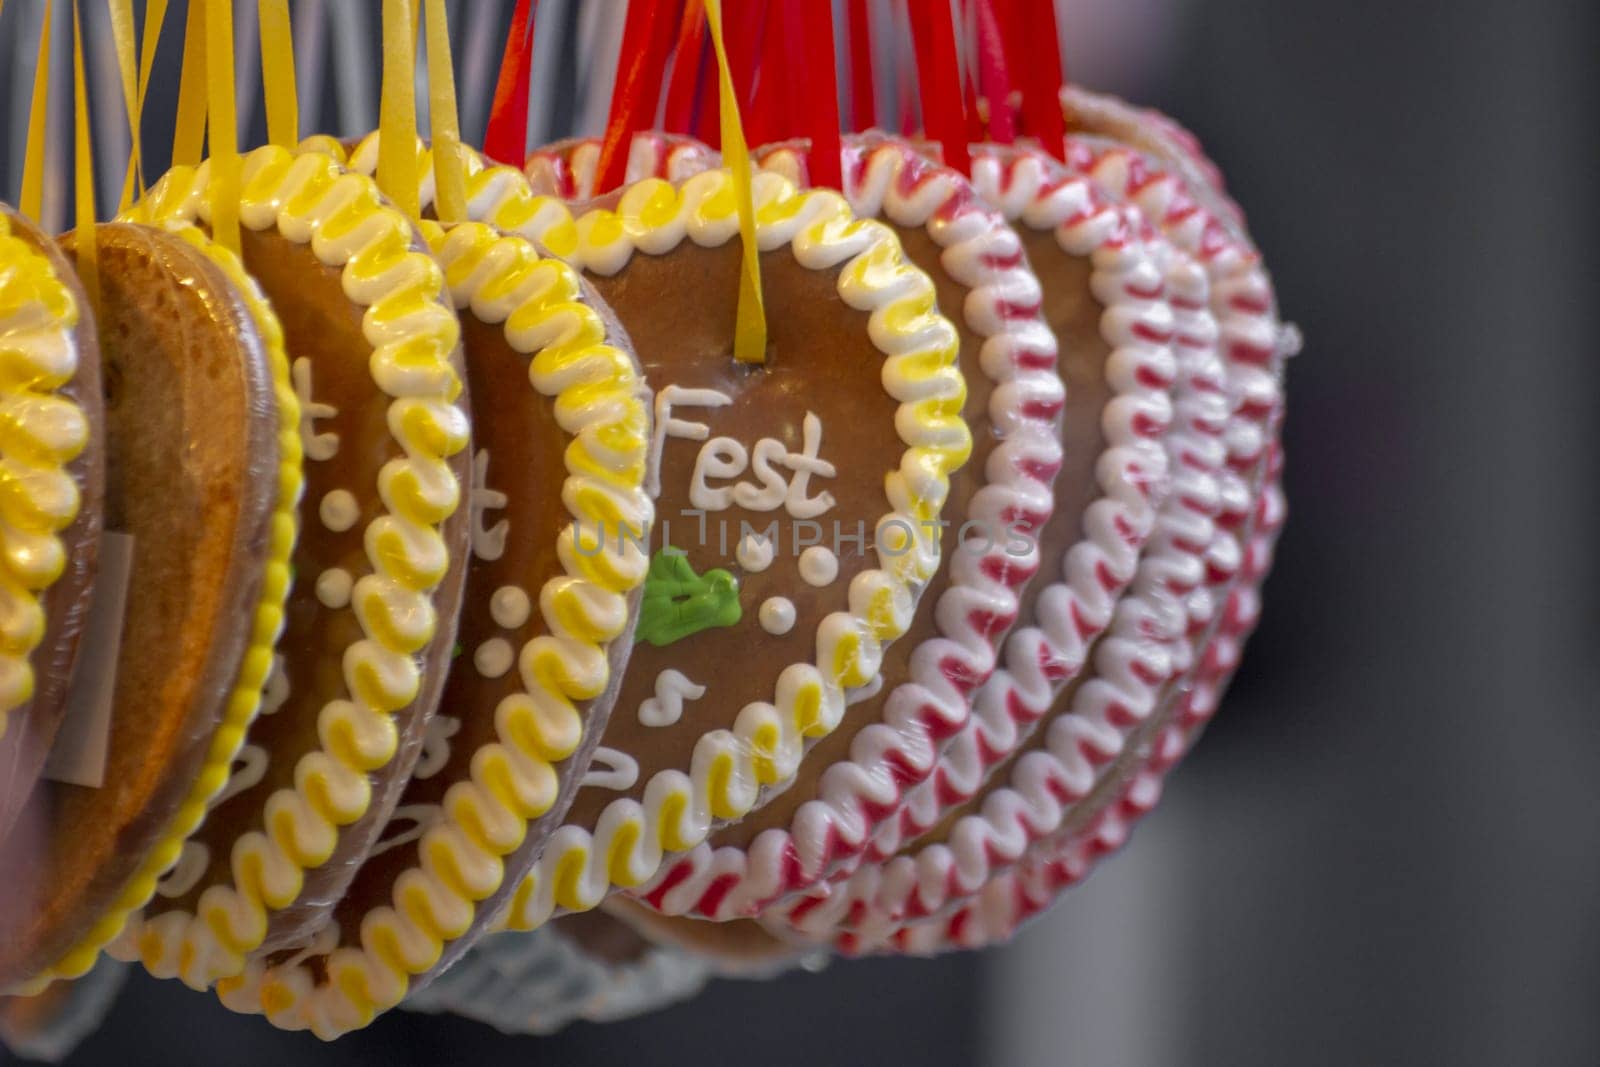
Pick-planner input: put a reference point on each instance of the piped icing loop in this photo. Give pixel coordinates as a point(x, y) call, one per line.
point(42, 430)
point(887, 178)
point(626, 843)
point(1094, 585)
point(251, 690)
point(1063, 860)
point(310, 200)
point(567, 169)
point(1179, 189)
point(601, 400)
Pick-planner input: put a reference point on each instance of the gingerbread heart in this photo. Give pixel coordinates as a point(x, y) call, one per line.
point(1118, 568)
point(203, 477)
point(1158, 172)
point(855, 344)
point(374, 348)
point(562, 418)
point(858, 775)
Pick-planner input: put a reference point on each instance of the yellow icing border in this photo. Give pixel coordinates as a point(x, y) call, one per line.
point(579, 867)
point(245, 699)
point(498, 195)
point(41, 433)
point(311, 199)
point(601, 402)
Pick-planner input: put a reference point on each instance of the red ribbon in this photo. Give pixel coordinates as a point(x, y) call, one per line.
point(863, 92)
point(939, 79)
point(646, 43)
point(506, 138)
point(684, 90)
point(1035, 51)
point(994, 77)
point(814, 91)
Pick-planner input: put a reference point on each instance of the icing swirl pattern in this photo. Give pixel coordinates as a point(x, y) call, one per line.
point(1097, 573)
point(41, 431)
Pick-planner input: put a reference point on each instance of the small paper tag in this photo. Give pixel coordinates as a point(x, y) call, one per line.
point(79, 754)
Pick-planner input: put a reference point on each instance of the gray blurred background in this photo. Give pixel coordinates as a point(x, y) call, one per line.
point(1385, 850)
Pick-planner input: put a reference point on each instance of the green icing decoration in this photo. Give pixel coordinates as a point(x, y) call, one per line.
point(679, 603)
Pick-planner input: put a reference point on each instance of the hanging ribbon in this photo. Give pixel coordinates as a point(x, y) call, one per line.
point(993, 76)
point(278, 73)
point(750, 328)
point(646, 40)
point(1034, 48)
point(121, 12)
point(397, 112)
point(155, 16)
point(449, 169)
point(189, 134)
point(505, 140)
point(818, 116)
point(222, 115)
point(771, 102)
point(83, 164)
point(32, 199)
point(939, 79)
point(683, 91)
point(863, 92)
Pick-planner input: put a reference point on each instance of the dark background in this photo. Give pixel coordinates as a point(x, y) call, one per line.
point(1385, 850)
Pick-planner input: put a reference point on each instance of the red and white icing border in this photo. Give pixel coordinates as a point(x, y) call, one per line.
point(1054, 865)
point(1160, 135)
point(1103, 581)
point(1033, 804)
point(890, 179)
point(566, 169)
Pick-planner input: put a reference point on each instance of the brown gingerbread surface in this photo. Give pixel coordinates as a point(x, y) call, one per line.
point(348, 442)
point(32, 728)
point(680, 310)
point(191, 426)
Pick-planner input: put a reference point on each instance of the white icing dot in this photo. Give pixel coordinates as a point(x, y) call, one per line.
point(339, 510)
point(509, 607)
point(754, 553)
point(333, 587)
point(819, 566)
point(777, 615)
point(493, 657)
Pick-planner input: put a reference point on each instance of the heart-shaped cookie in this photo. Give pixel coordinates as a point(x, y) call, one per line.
point(858, 775)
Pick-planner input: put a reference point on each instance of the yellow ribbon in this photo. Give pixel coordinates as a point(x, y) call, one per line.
point(121, 12)
point(155, 16)
point(750, 329)
point(449, 173)
point(222, 115)
point(397, 113)
point(32, 199)
point(188, 138)
point(277, 73)
point(83, 162)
